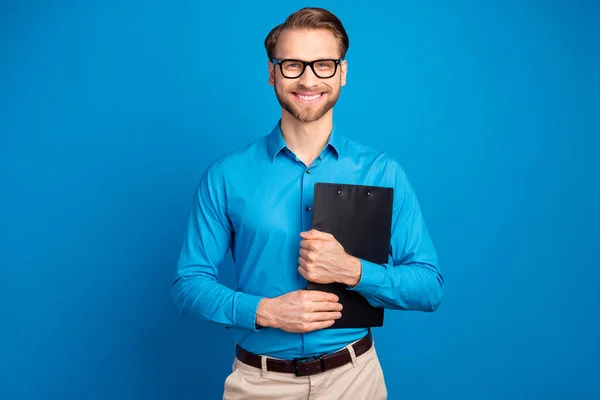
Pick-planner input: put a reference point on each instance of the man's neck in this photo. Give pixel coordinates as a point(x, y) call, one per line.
point(306, 139)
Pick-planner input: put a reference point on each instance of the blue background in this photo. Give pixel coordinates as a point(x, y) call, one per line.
point(110, 111)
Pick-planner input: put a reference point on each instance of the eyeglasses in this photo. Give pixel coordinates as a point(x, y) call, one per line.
point(293, 69)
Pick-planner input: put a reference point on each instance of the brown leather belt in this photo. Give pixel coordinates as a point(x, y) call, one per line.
point(307, 365)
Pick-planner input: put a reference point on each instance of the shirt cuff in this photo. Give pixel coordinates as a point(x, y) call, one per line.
point(246, 311)
point(371, 278)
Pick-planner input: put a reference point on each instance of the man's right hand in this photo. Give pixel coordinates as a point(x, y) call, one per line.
point(299, 311)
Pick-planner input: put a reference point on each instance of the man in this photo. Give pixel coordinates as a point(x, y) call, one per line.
point(256, 201)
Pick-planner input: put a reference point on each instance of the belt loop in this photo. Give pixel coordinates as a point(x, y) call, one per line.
point(352, 354)
point(263, 363)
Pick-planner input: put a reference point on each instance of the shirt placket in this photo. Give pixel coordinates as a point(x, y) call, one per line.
point(307, 189)
point(309, 177)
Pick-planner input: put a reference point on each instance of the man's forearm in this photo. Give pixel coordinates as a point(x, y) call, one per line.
point(407, 287)
point(209, 300)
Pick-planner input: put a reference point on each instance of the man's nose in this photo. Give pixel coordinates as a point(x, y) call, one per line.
point(308, 78)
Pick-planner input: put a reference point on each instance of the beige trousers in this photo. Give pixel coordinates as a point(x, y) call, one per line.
point(361, 379)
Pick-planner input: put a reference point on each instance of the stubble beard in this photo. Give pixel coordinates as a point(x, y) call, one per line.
point(304, 113)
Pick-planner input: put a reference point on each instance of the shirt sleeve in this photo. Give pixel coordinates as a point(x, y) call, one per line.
point(208, 237)
point(412, 280)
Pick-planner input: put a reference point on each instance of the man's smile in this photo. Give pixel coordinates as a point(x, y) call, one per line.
point(308, 98)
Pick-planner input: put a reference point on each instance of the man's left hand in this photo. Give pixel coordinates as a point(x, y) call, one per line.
point(323, 260)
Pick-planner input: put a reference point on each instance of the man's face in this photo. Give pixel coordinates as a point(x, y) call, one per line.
point(308, 97)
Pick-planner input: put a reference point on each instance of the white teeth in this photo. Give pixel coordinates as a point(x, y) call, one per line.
point(308, 98)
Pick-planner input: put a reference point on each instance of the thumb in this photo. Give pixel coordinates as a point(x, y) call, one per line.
point(312, 234)
point(315, 234)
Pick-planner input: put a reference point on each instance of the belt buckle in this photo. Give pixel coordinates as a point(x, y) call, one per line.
point(297, 362)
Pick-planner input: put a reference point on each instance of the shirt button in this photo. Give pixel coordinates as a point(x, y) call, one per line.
point(308, 208)
point(308, 171)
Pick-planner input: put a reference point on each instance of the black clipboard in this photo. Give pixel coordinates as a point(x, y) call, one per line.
point(360, 218)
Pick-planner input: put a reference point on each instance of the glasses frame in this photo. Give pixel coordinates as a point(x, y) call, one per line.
point(305, 64)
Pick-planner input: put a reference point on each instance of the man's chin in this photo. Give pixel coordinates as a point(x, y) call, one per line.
point(307, 114)
point(304, 116)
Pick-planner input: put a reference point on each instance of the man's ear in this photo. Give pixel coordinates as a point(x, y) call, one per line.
point(271, 73)
point(344, 71)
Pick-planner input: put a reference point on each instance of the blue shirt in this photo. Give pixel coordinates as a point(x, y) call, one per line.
point(255, 202)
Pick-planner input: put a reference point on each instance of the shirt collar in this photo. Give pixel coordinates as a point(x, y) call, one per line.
point(276, 143)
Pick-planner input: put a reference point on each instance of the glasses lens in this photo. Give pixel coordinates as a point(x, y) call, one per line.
point(292, 69)
point(324, 68)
